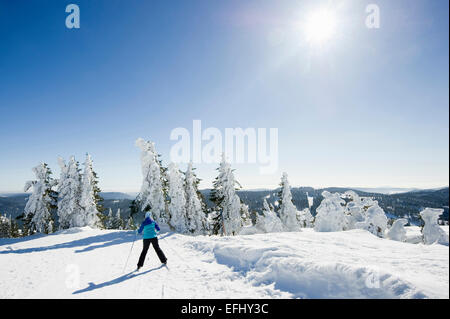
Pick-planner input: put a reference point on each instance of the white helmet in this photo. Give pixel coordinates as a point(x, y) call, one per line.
point(148, 215)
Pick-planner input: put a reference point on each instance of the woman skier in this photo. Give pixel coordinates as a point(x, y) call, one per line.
point(150, 227)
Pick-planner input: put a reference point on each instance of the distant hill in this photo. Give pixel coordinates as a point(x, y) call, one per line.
point(406, 204)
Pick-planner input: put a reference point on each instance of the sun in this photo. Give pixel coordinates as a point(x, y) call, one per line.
point(320, 26)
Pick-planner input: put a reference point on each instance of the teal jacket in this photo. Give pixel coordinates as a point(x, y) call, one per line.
point(150, 228)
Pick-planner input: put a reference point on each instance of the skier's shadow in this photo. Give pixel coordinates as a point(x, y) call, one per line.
point(120, 279)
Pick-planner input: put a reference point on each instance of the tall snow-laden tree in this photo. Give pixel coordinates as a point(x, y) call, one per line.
point(431, 231)
point(286, 208)
point(227, 219)
point(41, 203)
point(177, 199)
point(195, 207)
point(109, 220)
point(90, 198)
point(268, 222)
point(330, 215)
point(354, 210)
point(152, 194)
point(69, 194)
point(118, 222)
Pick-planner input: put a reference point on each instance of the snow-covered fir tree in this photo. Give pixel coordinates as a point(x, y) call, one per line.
point(42, 201)
point(268, 222)
point(5, 227)
point(152, 194)
point(195, 207)
point(118, 222)
point(330, 215)
point(177, 199)
point(227, 216)
point(397, 231)
point(431, 231)
point(90, 198)
point(286, 208)
point(130, 224)
point(305, 218)
point(109, 220)
point(246, 220)
point(69, 211)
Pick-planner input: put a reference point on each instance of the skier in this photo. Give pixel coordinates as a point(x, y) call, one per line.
point(150, 227)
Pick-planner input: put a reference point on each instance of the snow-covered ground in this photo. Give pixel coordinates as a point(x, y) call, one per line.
point(88, 263)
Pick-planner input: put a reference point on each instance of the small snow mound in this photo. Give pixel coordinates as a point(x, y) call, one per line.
point(73, 230)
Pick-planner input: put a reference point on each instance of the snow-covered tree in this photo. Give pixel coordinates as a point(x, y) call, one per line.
point(109, 220)
point(268, 222)
point(330, 215)
point(151, 196)
point(397, 231)
point(431, 231)
point(5, 227)
point(177, 199)
point(130, 224)
point(354, 210)
point(375, 220)
point(305, 218)
point(227, 219)
point(286, 208)
point(195, 207)
point(246, 220)
point(90, 198)
point(42, 201)
point(118, 222)
point(69, 212)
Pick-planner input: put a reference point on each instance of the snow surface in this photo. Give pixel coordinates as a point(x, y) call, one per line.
point(307, 264)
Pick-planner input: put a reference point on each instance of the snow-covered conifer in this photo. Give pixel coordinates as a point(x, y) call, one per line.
point(130, 224)
point(195, 207)
point(90, 198)
point(431, 231)
point(69, 194)
point(286, 209)
point(177, 199)
point(151, 195)
point(268, 222)
point(42, 201)
point(330, 215)
point(305, 218)
point(227, 220)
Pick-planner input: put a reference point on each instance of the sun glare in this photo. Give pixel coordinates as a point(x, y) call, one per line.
point(320, 27)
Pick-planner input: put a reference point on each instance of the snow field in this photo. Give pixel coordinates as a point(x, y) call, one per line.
point(89, 263)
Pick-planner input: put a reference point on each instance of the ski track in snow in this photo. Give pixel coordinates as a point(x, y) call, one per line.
point(88, 263)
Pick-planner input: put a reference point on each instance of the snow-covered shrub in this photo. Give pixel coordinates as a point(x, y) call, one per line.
point(268, 222)
point(375, 220)
point(431, 231)
point(330, 213)
point(397, 231)
point(305, 218)
point(287, 211)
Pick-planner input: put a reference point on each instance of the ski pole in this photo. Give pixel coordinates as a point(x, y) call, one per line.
point(126, 263)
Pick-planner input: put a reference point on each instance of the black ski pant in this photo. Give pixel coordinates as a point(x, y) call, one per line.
point(159, 252)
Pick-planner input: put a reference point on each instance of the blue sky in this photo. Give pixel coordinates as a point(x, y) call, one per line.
point(369, 108)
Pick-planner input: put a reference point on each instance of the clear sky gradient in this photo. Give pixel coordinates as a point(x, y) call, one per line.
point(369, 108)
